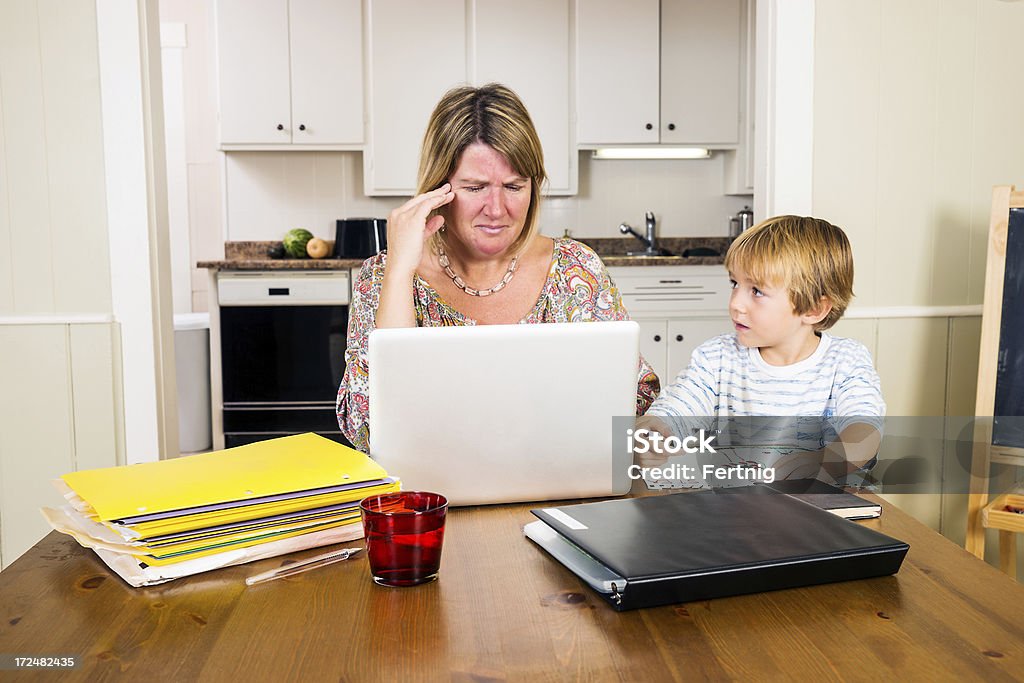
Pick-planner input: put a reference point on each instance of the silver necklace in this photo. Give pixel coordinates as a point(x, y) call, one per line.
point(442, 258)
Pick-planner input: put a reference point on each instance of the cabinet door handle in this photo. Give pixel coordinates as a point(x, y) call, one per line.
point(280, 126)
point(679, 337)
point(671, 126)
point(649, 126)
point(657, 337)
point(302, 126)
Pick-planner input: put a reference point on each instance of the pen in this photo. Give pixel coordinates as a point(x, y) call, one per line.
point(299, 567)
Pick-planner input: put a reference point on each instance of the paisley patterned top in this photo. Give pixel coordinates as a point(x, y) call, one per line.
point(578, 288)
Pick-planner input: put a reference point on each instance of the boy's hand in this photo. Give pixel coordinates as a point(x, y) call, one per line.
point(652, 423)
point(799, 465)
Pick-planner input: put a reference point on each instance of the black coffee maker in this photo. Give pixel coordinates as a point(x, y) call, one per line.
point(360, 237)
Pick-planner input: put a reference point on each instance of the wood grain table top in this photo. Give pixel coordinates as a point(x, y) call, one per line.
point(503, 610)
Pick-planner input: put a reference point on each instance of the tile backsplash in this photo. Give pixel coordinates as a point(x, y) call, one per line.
point(267, 193)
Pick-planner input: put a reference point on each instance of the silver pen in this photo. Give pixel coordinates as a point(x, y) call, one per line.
point(299, 567)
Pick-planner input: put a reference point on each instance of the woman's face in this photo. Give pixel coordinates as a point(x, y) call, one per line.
point(491, 202)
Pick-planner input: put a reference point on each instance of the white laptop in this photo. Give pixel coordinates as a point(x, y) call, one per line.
point(503, 413)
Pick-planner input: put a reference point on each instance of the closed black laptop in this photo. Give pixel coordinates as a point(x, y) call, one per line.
point(695, 546)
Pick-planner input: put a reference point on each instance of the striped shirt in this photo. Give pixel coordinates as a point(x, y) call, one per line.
point(837, 382)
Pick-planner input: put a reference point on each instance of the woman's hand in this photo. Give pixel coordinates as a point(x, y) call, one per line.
point(409, 227)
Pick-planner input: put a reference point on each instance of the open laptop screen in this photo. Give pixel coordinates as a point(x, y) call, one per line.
point(503, 413)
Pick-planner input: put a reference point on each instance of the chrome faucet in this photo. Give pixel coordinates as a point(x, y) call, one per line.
point(650, 241)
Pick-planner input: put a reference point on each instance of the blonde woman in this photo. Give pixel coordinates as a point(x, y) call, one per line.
point(466, 249)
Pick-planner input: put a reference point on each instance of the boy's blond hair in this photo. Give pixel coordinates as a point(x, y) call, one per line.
point(810, 257)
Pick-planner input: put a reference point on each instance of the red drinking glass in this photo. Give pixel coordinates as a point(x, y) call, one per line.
point(404, 532)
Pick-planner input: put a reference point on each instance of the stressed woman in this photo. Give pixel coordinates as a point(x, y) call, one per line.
point(466, 249)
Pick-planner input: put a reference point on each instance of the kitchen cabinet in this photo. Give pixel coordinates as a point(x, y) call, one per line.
point(290, 74)
point(668, 343)
point(477, 43)
point(699, 55)
point(417, 51)
point(739, 163)
point(526, 46)
point(677, 307)
point(617, 71)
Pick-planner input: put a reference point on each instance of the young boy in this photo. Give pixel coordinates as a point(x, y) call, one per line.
point(792, 279)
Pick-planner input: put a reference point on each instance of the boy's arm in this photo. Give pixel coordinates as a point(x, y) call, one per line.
point(692, 393)
point(854, 447)
point(860, 412)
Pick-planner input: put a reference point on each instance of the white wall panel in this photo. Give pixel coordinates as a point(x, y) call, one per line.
point(74, 156)
point(998, 134)
point(907, 109)
point(846, 155)
point(864, 331)
point(6, 254)
point(915, 119)
point(95, 401)
point(25, 146)
point(951, 189)
point(911, 360)
point(36, 431)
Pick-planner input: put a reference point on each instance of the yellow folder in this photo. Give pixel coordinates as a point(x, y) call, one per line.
point(291, 463)
point(240, 538)
point(186, 522)
point(155, 561)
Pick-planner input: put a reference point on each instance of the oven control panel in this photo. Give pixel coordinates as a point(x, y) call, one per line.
point(322, 287)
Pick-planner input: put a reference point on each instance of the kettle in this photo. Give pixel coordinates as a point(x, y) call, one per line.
point(360, 237)
point(743, 220)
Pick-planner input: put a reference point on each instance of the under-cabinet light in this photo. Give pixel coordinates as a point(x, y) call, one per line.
point(652, 153)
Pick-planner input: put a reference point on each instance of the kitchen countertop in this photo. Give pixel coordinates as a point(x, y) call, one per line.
point(253, 255)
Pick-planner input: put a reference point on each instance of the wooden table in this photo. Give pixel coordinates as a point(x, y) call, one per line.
point(503, 610)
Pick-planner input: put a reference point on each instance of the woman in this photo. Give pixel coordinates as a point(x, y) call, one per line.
point(466, 250)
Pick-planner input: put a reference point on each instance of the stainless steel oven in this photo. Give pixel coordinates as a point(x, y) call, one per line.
point(282, 352)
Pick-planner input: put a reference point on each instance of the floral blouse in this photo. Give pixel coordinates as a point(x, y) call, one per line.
point(578, 288)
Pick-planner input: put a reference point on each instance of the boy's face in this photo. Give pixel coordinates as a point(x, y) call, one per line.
point(763, 316)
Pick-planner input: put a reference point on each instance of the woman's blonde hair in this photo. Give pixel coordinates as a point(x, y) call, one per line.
point(810, 257)
point(491, 114)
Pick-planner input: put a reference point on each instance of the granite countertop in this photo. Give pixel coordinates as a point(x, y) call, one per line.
point(254, 255)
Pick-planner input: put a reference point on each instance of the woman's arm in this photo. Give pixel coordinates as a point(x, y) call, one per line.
point(353, 405)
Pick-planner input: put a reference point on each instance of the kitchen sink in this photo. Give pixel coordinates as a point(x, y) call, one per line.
point(644, 254)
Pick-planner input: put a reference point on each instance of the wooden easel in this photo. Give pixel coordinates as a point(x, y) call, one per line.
point(1004, 197)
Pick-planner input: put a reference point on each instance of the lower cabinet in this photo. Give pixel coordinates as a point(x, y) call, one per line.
point(668, 343)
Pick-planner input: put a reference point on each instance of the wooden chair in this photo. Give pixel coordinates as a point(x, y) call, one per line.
point(979, 515)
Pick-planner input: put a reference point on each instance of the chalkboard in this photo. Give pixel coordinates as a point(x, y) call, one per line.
point(1008, 427)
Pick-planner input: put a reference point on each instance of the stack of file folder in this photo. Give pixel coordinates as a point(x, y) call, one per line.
point(158, 521)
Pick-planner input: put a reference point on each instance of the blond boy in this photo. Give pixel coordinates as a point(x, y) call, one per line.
point(792, 279)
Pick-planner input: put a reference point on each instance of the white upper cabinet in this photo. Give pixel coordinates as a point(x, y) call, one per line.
point(617, 67)
point(700, 71)
point(630, 60)
point(417, 51)
point(252, 65)
point(739, 163)
point(290, 73)
point(526, 46)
